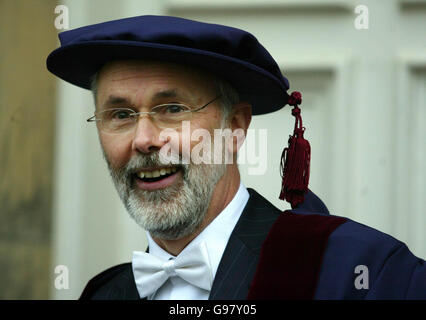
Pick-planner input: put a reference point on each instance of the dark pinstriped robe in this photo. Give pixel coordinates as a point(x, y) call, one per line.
point(394, 272)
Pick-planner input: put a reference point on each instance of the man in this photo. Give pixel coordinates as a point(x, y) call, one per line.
point(157, 82)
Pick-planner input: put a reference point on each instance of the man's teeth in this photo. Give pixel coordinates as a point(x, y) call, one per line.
point(156, 173)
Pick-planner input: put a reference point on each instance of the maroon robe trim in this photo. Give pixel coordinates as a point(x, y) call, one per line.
point(291, 257)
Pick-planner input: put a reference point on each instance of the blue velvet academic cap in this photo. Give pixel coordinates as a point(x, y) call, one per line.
point(230, 53)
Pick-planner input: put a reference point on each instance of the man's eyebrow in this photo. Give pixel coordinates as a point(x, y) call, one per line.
point(172, 93)
point(112, 100)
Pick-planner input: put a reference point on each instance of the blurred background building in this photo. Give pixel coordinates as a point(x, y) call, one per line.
point(364, 107)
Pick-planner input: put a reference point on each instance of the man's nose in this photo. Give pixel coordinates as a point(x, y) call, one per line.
point(147, 136)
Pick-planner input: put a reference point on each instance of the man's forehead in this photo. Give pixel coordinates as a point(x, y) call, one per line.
point(156, 79)
point(115, 99)
point(125, 69)
point(165, 75)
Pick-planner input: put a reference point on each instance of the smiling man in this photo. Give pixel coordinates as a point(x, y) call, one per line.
point(167, 200)
point(157, 81)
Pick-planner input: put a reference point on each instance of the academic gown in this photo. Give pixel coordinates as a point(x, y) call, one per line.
point(305, 253)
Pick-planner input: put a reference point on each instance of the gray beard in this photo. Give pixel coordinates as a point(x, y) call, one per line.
point(174, 212)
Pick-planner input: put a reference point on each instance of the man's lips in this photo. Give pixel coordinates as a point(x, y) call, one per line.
point(157, 178)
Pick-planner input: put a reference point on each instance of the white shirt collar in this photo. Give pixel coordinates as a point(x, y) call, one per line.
point(216, 234)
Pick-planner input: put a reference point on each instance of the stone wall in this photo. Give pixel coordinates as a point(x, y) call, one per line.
point(27, 120)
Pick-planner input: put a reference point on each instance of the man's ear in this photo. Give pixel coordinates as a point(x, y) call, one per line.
point(240, 116)
point(239, 121)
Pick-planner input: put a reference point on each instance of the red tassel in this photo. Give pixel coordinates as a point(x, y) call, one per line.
point(295, 159)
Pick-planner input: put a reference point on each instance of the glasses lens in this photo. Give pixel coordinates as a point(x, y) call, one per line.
point(171, 115)
point(117, 120)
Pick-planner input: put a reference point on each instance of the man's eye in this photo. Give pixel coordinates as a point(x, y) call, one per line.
point(174, 108)
point(120, 114)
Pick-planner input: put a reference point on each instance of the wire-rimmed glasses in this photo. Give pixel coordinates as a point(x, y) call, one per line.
point(168, 115)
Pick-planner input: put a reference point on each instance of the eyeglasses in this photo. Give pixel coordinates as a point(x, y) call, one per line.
point(168, 115)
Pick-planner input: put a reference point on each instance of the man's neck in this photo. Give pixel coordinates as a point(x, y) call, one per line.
point(223, 194)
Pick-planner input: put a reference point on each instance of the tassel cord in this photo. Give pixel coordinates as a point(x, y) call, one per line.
point(295, 159)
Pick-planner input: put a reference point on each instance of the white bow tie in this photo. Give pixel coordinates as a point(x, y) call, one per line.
point(192, 265)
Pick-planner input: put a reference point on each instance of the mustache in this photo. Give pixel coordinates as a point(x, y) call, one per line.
point(140, 161)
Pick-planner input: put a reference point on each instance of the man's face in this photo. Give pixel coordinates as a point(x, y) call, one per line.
point(173, 204)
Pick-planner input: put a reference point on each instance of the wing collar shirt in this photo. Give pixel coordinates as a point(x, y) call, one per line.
point(215, 236)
